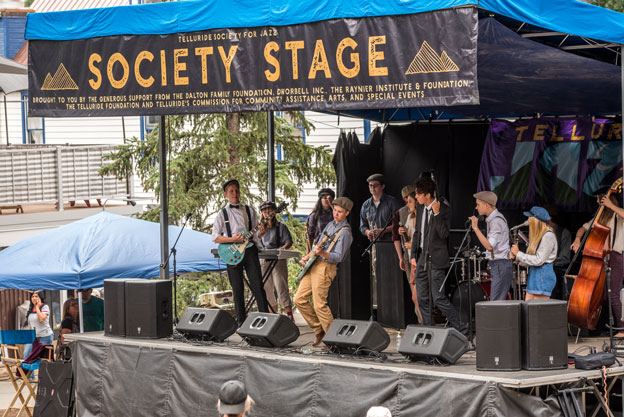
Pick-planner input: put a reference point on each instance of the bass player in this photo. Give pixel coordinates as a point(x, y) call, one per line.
point(317, 280)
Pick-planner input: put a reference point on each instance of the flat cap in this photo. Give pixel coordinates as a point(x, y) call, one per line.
point(268, 204)
point(327, 191)
point(376, 177)
point(407, 190)
point(230, 182)
point(344, 202)
point(539, 213)
point(486, 196)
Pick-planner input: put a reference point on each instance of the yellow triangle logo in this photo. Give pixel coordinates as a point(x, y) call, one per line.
point(60, 81)
point(427, 60)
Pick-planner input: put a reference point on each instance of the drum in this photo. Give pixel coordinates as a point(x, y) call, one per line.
point(459, 299)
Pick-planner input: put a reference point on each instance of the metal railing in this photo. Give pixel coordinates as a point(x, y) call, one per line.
point(44, 173)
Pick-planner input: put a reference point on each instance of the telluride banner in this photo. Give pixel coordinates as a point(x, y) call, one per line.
point(419, 60)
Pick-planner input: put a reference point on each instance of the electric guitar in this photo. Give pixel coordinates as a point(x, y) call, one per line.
point(233, 253)
point(323, 244)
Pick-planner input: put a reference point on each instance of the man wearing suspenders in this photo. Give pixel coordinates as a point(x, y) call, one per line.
point(496, 243)
point(227, 227)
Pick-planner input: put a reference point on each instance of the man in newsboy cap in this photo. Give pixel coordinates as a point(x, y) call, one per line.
point(330, 248)
point(496, 243)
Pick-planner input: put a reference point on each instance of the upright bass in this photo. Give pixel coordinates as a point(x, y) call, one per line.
point(588, 290)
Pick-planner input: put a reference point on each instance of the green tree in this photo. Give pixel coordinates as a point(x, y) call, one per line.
point(207, 150)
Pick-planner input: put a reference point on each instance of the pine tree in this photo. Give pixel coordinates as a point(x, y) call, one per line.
point(204, 151)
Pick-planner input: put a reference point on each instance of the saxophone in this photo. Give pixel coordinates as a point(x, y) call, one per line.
point(372, 226)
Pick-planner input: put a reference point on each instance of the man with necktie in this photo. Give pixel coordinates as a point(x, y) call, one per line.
point(429, 254)
point(230, 221)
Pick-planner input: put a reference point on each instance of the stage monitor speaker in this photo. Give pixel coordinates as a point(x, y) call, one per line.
point(354, 335)
point(428, 342)
point(268, 330)
point(544, 334)
point(115, 307)
point(148, 309)
point(55, 391)
point(207, 323)
point(499, 335)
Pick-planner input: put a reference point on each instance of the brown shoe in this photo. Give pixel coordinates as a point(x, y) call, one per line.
point(319, 339)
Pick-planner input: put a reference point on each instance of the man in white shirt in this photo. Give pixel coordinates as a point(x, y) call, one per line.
point(496, 243)
point(230, 221)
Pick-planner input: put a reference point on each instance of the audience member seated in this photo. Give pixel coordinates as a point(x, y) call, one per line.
point(233, 400)
point(92, 311)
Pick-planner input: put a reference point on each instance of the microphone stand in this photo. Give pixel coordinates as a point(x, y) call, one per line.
point(175, 273)
point(466, 239)
point(368, 250)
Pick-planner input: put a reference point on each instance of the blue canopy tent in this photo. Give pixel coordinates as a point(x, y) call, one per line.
point(84, 253)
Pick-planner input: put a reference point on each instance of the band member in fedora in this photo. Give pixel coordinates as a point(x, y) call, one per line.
point(318, 279)
point(275, 235)
point(429, 254)
point(321, 215)
point(496, 243)
point(230, 221)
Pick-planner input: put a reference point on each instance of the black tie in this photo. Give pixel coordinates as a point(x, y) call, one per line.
point(426, 229)
point(236, 206)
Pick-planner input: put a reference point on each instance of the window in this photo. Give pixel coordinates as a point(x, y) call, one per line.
point(33, 128)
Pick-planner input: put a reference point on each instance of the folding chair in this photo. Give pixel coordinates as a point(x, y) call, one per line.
point(9, 357)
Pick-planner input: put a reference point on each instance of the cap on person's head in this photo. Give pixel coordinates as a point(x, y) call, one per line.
point(327, 191)
point(268, 204)
point(378, 412)
point(376, 177)
point(228, 183)
point(539, 213)
point(407, 190)
point(232, 397)
point(487, 197)
point(344, 202)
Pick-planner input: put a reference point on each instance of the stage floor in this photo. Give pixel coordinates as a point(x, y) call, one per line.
point(302, 351)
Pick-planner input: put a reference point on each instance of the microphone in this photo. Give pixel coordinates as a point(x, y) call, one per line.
point(526, 223)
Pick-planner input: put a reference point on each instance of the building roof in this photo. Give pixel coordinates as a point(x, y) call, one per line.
point(61, 5)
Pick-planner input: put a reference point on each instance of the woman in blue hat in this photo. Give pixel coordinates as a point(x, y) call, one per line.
point(540, 255)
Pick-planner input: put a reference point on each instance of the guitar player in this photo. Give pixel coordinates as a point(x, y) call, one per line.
point(230, 221)
point(318, 278)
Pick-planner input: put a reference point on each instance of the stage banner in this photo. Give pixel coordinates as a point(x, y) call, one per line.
point(559, 161)
point(420, 60)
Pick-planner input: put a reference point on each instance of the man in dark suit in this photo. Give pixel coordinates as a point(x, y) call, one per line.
point(430, 241)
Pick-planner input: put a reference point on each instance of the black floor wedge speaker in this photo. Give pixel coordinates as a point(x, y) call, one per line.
point(148, 309)
point(268, 330)
point(115, 307)
point(354, 335)
point(207, 323)
point(55, 391)
point(429, 342)
point(499, 332)
point(544, 335)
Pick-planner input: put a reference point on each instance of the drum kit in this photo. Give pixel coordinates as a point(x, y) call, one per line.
point(475, 283)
